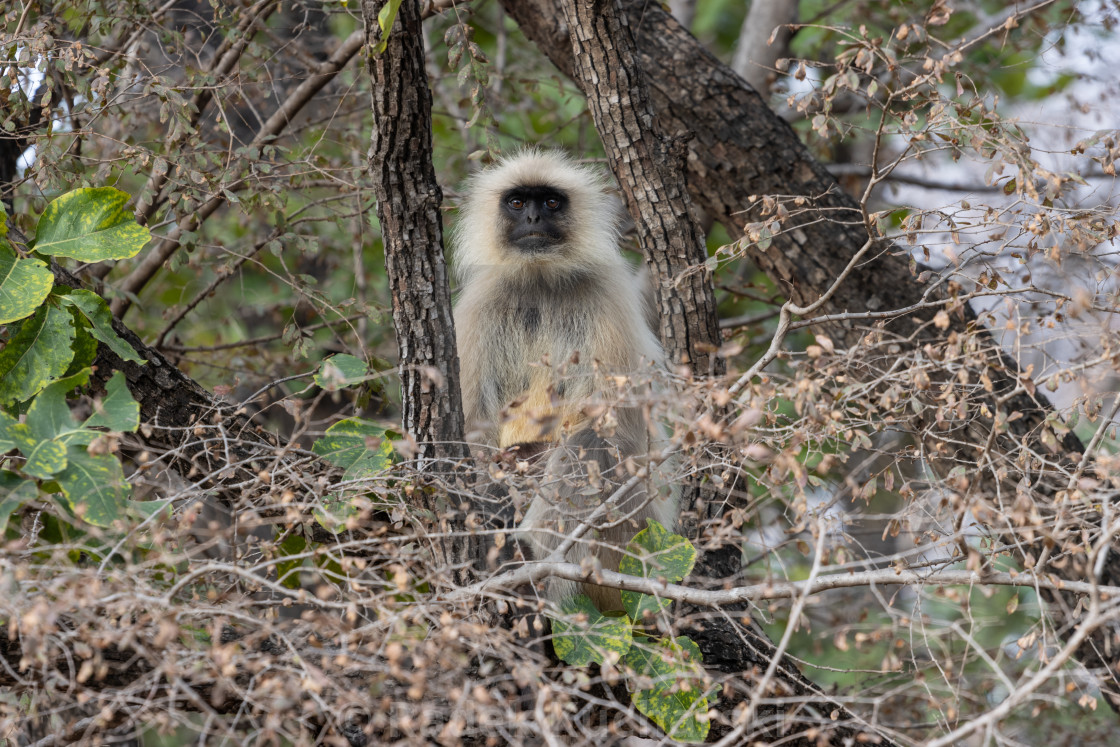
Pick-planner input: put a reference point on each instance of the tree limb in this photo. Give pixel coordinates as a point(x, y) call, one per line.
point(741, 150)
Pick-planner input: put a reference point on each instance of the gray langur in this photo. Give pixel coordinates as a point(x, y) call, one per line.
point(551, 324)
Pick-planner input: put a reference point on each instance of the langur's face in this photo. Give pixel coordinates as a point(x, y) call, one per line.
point(534, 219)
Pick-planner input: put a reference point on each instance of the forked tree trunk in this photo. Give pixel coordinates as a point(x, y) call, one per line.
point(742, 149)
point(650, 168)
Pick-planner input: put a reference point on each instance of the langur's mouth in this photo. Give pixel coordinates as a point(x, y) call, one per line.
point(537, 242)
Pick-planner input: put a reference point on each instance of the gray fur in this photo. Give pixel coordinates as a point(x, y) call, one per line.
point(541, 336)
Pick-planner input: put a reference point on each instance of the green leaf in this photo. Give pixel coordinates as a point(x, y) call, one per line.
point(45, 459)
point(12, 433)
point(117, 410)
point(24, 285)
point(36, 354)
point(49, 416)
point(149, 508)
point(385, 19)
point(90, 225)
point(676, 700)
point(14, 492)
point(96, 311)
point(85, 346)
point(586, 635)
point(357, 446)
point(341, 371)
point(287, 571)
point(93, 486)
point(655, 552)
point(7, 508)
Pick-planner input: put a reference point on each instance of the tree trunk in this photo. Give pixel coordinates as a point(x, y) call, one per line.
point(755, 53)
point(408, 202)
point(742, 149)
point(650, 169)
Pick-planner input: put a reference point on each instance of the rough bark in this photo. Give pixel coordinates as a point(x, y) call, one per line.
point(741, 149)
point(408, 202)
point(649, 168)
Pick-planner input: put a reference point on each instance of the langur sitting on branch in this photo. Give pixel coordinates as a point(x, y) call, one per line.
point(549, 321)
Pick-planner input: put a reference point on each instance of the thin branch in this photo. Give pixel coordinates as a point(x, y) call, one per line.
point(855, 169)
point(150, 265)
point(762, 687)
point(219, 277)
point(254, 341)
point(537, 571)
point(280, 119)
point(1021, 692)
point(224, 61)
point(789, 308)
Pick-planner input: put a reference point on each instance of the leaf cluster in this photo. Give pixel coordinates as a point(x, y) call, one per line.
point(52, 338)
point(664, 675)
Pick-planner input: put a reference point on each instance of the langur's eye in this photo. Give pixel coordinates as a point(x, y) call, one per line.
point(516, 203)
point(552, 203)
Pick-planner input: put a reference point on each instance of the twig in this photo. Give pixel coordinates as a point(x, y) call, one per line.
point(785, 315)
point(1093, 620)
point(533, 572)
point(762, 686)
point(280, 119)
point(255, 340)
point(219, 278)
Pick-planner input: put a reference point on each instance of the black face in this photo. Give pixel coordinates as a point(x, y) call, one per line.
point(535, 219)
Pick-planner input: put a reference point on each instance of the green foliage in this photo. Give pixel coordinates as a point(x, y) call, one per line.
point(586, 635)
point(341, 371)
point(359, 447)
point(362, 449)
point(655, 552)
point(386, 17)
point(287, 570)
point(59, 451)
point(90, 225)
point(14, 492)
point(24, 284)
point(51, 342)
point(336, 509)
point(666, 680)
point(37, 353)
point(99, 321)
point(93, 486)
point(674, 694)
point(59, 327)
point(146, 509)
point(117, 411)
